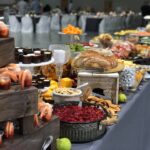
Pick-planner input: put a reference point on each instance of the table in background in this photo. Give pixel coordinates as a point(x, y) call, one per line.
point(132, 131)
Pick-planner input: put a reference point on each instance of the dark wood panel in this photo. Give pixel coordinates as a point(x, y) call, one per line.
point(27, 125)
point(36, 140)
point(16, 103)
point(7, 51)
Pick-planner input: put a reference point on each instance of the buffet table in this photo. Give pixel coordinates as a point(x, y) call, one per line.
point(132, 131)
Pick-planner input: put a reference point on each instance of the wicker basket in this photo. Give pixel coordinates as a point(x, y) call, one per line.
point(82, 132)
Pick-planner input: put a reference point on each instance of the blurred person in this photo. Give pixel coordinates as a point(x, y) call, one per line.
point(70, 6)
point(6, 14)
point(36, 6)
point(145, 9)
point(88, 9)
point(22, 7)
point(57, 10)
point(46, 9)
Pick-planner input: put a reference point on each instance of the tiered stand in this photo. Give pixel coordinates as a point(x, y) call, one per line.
point(20, 106)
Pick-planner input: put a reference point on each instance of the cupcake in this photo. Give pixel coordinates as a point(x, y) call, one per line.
point(47, 56)
point(36, 58)
point(40, 85)
point(38, 52)
point(42, 79)
point(35, 77)
point(27, 59)
point(39, 76)
point(46, 83)
point(34, 83)
point(43, 50)
point(20, 57)
point(27, 51)
point(36, 49)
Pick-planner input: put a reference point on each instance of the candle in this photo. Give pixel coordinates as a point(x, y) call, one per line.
point(59, 56)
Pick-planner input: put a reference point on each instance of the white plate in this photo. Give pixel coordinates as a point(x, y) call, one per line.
point(71, 34)
point(147, 76)
point(37, 64)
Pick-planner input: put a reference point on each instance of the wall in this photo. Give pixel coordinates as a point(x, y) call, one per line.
point(99, 4)
point(52, 3)
point(6, 2)
point(96, 4)
point(129, 4)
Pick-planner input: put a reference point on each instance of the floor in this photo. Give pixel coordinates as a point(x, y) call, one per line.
point(33, 40)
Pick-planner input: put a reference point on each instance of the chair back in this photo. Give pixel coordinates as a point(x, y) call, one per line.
point(55, 22)
point(43, 26)
point(27, 24)
point(14, 25)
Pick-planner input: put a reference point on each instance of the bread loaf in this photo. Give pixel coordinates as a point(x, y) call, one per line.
point(96, 59)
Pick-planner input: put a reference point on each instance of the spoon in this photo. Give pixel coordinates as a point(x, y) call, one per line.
point(80, 87)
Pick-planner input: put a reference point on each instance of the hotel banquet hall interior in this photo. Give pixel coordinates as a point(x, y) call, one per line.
point(74, 74)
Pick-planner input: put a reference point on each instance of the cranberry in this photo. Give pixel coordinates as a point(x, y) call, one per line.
point(76, 114)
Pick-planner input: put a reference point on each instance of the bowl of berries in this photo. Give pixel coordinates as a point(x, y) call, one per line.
point(81, 123)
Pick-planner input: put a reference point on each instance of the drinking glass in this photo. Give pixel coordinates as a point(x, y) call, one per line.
point(61, 55)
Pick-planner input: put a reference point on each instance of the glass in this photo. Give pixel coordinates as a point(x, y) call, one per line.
point(61, 55)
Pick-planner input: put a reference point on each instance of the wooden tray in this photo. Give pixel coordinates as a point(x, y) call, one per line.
point(16, 103)
point(36, 140)
point(7, 51)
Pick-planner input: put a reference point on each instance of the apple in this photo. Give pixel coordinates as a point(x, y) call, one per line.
point(63, 144)
point(122, 98)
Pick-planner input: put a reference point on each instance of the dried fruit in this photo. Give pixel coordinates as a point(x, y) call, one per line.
point(9, 130)
point(77, 114)
point(36, 120)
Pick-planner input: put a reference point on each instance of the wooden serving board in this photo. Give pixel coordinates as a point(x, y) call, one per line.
point(36, 140)
point(16, 103)
point(7, 51)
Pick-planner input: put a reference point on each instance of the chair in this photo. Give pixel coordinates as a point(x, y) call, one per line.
point(55, 22)
point(118, 23)
point(82, 22)
point(27, 24)
point(68, 19)
point(14, 24)
point(105, 25)
point(133, 21)
point(73, 20)
point(43, 26)
point(112, 24)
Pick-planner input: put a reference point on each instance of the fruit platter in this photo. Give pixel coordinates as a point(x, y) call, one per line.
point(70, 29)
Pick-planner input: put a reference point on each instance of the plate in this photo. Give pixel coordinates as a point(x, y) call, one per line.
point(119, 68)
point(147, 76)
point(61, 33)
point(37, 64)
